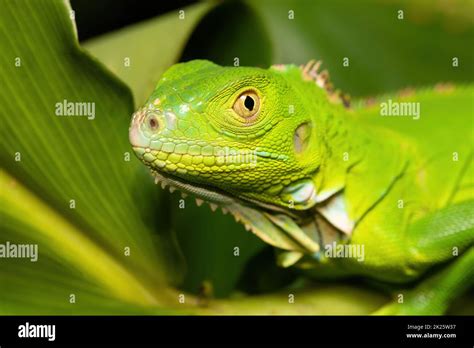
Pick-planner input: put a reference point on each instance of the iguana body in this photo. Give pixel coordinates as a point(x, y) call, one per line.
point(278, 149)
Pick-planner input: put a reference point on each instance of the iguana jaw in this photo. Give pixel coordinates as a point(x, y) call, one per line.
point(258, 221)
point(215, 197)
point(202, 194)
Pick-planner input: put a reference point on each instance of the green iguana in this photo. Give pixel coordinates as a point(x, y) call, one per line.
point(382, 190)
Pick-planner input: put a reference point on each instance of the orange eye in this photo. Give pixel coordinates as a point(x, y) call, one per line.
point(247, 104)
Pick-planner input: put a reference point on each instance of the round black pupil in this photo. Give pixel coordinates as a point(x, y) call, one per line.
point(249, 103)
point(152, 123)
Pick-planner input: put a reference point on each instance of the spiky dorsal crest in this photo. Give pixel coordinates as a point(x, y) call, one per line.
point(310, 72)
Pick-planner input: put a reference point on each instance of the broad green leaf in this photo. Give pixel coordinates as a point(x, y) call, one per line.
point(231, 34)
point(385, 53)
point(312, 299)
point(140, 53)
point(71, 183)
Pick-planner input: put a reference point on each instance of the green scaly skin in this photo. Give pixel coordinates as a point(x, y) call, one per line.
point(305, 172)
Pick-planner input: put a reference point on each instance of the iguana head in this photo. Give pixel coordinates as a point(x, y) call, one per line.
point(231, 132)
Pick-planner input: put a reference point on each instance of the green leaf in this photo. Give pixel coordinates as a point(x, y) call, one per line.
point(231, 34)
point(71, 183)
point(311, 299)
point(385, 53)
point(140, 53)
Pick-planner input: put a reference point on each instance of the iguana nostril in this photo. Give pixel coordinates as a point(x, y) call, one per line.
point(153, 123)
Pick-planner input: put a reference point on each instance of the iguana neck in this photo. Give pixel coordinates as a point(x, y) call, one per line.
point(333, 135)
point(346, 144)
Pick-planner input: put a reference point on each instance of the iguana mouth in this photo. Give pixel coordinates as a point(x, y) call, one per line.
point(211, 195)
point(202, 193)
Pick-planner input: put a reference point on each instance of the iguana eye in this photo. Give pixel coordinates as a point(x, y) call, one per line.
point(247, 104)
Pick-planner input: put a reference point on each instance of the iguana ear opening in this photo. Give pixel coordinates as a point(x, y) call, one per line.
point(301, 137)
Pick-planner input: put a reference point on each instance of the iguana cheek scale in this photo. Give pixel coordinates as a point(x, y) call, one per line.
point(280, 150)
